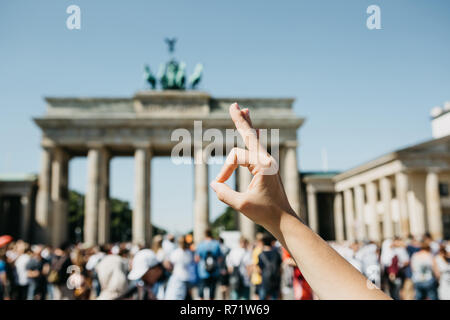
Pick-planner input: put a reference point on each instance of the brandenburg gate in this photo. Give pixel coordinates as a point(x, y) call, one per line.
point(141, 126)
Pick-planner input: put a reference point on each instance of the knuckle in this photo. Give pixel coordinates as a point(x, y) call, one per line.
point(234, 151)
point(244, 205)
point(221, 196)
point(266, 161)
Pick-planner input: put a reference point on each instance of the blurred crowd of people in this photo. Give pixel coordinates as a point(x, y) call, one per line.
point(410, 269)
point(177, 269)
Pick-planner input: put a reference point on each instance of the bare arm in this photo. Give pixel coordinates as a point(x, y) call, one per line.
point(436, 271)
point(265, 202)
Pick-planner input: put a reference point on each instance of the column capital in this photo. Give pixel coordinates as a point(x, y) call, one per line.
point(405, 171)
point(47, 143)
point(59, 153)
point(60, 149)
point(435, 170)
point(290, 144)
point(347, 191)
point(310, 188)
point(370, 184)
point(48, 147)
point(95, 145)
point(142, 145)
point(385, 178)
point(54, 148)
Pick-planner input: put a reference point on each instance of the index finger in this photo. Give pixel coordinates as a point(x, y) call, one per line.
point(244, 128)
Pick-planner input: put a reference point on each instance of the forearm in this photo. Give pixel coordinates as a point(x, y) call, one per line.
point(265, 202)
point(327, 272)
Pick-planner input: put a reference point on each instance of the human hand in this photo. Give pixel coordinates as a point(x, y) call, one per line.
point(265, 200)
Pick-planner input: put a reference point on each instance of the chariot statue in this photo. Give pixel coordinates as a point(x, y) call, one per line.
point(172, 74)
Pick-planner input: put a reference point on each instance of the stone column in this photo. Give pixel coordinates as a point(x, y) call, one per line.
point(349, 215)
point(417, 203)
point(374, 224)
point(141, 223)
point(291, 177)
point(246, 226)
point(312, 208)
point(360, 217)
point(338, 218)
point(104, 205)
point(386, 197)
point(281, 161)
point(401, 186)
point(25, 201)
point(92, 197)
point(60, 197)
point(43, 199)
point(148, 206)
point(433, 202)
point(201, 203)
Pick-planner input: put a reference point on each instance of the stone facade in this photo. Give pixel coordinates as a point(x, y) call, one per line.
point(399, 194)
point(141, 126)
point(318, 191)
point(403, 193)
point(17, 206)
point(440, 120)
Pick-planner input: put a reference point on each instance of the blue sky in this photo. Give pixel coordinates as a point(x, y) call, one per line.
point(363, 92)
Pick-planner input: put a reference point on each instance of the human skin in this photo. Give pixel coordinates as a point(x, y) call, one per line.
point(152, 275)
point(265, 202)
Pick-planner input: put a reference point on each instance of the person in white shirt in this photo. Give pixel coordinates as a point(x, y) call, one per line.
point(21, 270)
point(158, 248)
point(168, 245)
point(442, 270)
point(347, 251)
point(422, 267)
point(432, 243)
point(93, 261)
point(112, 275)
point(238, 262)
point(394, 259)
point(368, 255)
point(180, 261)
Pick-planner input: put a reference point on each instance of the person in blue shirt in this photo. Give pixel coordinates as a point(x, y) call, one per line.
point(208, 255)
point(2, 277)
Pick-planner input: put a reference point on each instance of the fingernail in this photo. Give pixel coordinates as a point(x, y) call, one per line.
point(236, 106)
point(213, 185)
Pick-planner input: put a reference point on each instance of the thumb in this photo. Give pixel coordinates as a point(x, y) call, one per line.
point(226, 194)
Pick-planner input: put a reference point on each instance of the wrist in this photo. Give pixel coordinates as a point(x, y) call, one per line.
point(280, 221)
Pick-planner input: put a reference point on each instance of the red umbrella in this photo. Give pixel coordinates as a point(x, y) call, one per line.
point(4, 240)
